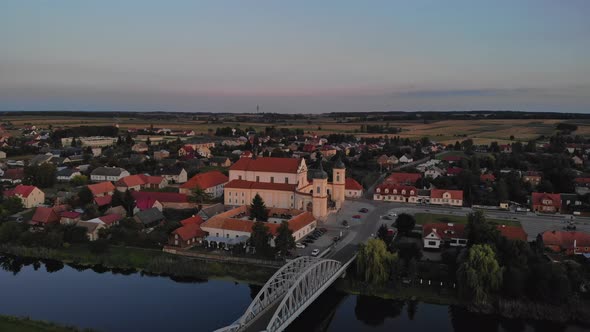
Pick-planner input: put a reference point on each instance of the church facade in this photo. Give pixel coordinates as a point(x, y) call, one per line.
point(286, 183)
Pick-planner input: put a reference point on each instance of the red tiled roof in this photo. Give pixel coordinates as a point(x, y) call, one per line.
point(565, 240)
point(243, 184)
point(582, 180)
point(101, 188)
point(267, 164)
point(160, 196)
point(131, 181)
point(487, 177)
point(512, 232)
point(44, 215)
point(206, 180)
point(189, 231)
point(103, 200)
point(192, 220)
point(110, 219)
point(538, 199)
point(438, 193)
point(444, 231)
point(21, 190)
point(352, 184)
point(401, 178)
point(398, 189)
point(69, 214)
point(14, 173)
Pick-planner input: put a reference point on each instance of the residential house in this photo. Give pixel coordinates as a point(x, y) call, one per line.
point(189, 234)
point(396, 193)
point(404, 178)
point(40, 159)
point(67, 174)
point(406, 158)
point(175, 175)
point(353, 189)
point(211, 210)
point(150, 217)
point(546, 203)
point(69, 217)
point(434, 172)
point(140, 147)
point(577, 161)
point(30, 196)
point(161, 154)
point(506, 148)
point(487, 178)
point(569, 243)
point(145, 200)
point(582, 185)
point(92, 229)
point(220, 162)
point(211, 182)
point(2, 155)
point(13, 175)
point(108, 174)
point(446, 197)
point(534, 178)
point(437, 235)
point(103, 193)
point(44, 216)
point(141, 181)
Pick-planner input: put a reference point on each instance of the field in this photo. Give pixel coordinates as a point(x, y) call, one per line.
point(425, 218)
point(447, 131)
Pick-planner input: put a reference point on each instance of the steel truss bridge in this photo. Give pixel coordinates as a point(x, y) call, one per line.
point(289, 292)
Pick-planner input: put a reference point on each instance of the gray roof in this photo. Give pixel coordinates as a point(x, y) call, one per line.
point(149, 216)
point(67, 172)
point(39, 159)
point(212, 210)
point(108, 171)
point(218, 159)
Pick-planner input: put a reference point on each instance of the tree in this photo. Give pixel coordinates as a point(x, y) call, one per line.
point(99, 246)
point(405, 223)
point(10, 231)
point(260, 238)
point(85, 196)
point(373, 263)
point(199, 195)
point(42, 176)
point(382, 233)
point(79, 180)
point(284, 240)
point(479, 231)
point(258, 209)
point(12, 205)
point(480, 275)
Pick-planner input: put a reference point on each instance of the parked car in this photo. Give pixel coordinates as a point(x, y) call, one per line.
point(315, 252)
point(357, 216)
point(300, 245)
point(386, 217)
point(364, 210)
point(336, 238)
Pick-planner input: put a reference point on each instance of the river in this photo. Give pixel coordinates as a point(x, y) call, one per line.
point(117, 301)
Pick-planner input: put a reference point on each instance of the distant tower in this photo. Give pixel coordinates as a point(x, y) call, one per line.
point(320, 192)
point(338, 182)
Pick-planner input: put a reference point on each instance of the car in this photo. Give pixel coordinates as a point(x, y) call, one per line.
point(315, 252)
point(386, 217)
point(364, 210)
point(300, 245)
point(392, 214)
point(356, 216)
point(336, 238)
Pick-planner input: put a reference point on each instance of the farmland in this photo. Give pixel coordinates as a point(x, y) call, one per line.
point(482, 131)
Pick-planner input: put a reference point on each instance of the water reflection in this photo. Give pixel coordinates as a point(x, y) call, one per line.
point(374, 311)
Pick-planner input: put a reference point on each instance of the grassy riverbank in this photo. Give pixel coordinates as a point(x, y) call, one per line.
point(145, 260)
point(23, 324)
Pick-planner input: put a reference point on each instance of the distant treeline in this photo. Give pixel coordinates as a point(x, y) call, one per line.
point(84, 131)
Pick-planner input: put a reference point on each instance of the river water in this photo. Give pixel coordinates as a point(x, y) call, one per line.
point(120, 301)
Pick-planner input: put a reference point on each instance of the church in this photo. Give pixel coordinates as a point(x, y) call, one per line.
point(286, 183)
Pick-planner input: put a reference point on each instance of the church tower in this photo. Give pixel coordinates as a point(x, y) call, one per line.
point(338, 182)
point(320, 192)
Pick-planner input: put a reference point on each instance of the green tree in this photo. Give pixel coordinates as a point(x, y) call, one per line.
point(85, 196)
point(284, 240)
point(374, 262)
point(42, 176)
point(10, 231)
point(99, 246)
point(258, 209)
point(480, 275)
point(12, 205)
point(199, 195)
point(405, 223)
point(260, 238)
point(479, 230)
point(79, 180)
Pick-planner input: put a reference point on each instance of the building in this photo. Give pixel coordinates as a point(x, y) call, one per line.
point(546, 203)
point(13, 175)
point(67, 174)
point(145, 200)
point(175, 175)
point(94, 141)
point(102, 189)
point(141, 181)
point(30, 196)
point(189, 234)
point(140, 147)
point(396, 193)
point(437, 235)
point(149, 218)
point(211, 210)
point(2, 155)
point(220, 162)
point(353, 188)
point(569, 243)
point(161, 154)
point(404, 178)
point(406, 158)
point(446, 197)
point(92, 229)
point(69, 217)
point(108, 174)
point(45, 216)
point(235, 224)
point(534, 178)
point(212, 182)
point(578, 161)
point(283, 183)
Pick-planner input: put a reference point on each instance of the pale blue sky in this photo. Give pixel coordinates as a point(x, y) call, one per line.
point(296, 56)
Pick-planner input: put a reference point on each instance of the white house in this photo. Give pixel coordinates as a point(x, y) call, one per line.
point(108, 174)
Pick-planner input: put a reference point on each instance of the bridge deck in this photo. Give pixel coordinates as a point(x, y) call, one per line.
point(261, 322)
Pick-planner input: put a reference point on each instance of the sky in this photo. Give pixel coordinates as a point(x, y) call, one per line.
point(303, 56)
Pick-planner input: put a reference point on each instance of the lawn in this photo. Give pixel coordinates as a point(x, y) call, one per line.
point(426, 218)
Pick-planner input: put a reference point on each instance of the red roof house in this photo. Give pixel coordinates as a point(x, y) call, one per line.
point(208, 182)
point(568, 242)
point(404, 178)
point(45, 216)
point(267, 164)
point(102, 188)
point(544, 202)
point(446, 197)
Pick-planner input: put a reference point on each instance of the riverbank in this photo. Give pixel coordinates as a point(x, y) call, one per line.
point(24, 324)
point(577, 311)
point(149, 261)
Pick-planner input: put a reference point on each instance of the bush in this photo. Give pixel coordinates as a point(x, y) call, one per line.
point(99, 246)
